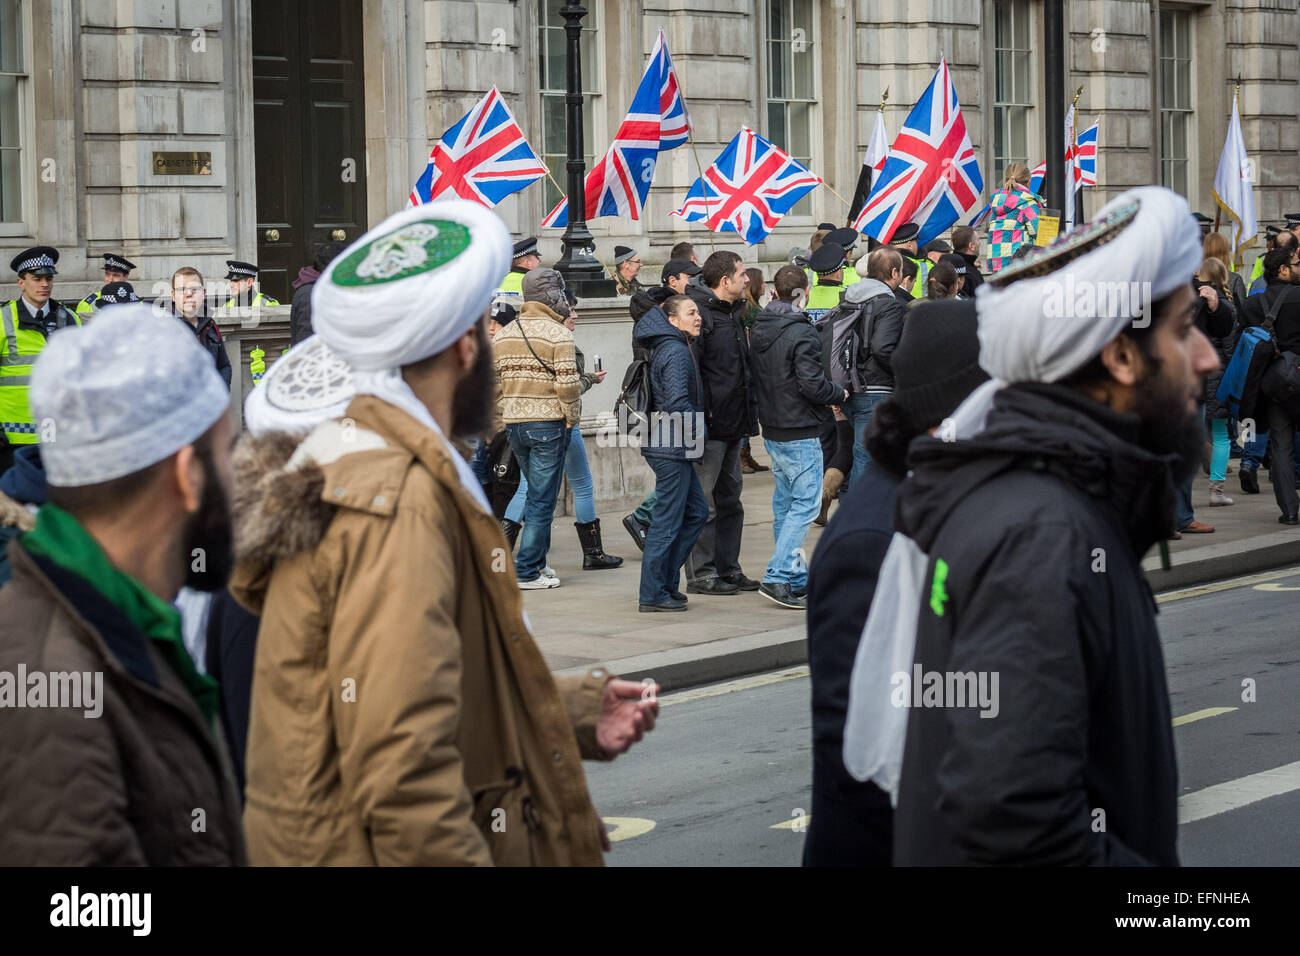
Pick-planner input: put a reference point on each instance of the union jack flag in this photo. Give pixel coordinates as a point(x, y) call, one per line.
point(483, 157)
point(656, 121)
point(1085, 168)
point(930, 176)
point(747, 190)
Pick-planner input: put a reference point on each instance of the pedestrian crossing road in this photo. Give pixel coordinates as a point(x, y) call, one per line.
point(724, 778)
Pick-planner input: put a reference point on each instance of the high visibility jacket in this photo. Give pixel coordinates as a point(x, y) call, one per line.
point(513, 283)
point(850, 277)
point(922, 273)
point(21, 347)
point(1256, 270)
point(90, 304)
point(258, 299)
point(822, 298)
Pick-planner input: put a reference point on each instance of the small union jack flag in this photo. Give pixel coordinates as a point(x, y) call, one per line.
point(657, 121)
point(930, 176)
point(747, 190)
point(1085, 168)
point(483, 157)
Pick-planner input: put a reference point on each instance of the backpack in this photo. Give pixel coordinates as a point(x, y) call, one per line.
point(845, 333)
point(632, 407)
point(503, 470)
point(1254, 356)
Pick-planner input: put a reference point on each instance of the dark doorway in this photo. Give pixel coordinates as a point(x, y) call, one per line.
point(309, 114)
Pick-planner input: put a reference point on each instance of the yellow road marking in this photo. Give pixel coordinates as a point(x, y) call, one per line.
point(625, 828)
point(1275, 587)
point(802, 822)
point(1202, 714)
point(730, 687)
point(1225, 585)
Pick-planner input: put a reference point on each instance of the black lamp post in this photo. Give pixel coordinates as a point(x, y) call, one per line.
point(1054, 114)
point(582, 271)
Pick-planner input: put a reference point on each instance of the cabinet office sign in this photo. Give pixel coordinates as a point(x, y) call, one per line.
point(182, 164)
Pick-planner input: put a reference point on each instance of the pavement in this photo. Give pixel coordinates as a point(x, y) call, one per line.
point(593, 617)
point(724, 779)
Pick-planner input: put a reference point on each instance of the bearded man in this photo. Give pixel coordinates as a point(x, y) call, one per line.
point(1037, 714)
point(110, 747)
point(401, 712)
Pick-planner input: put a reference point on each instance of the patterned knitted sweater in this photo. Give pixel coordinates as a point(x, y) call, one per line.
point(529, 392)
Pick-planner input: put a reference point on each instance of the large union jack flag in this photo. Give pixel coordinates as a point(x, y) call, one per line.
point(747, 190)
point(930, 176)
point(483, 157)
point(657, 121)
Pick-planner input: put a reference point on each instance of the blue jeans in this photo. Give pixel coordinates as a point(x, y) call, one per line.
point(478, 462)
point(796, 500)
point(539, 447)
point(577, 471)
point(1252, 454)
point(859, 410)
point(680, 513)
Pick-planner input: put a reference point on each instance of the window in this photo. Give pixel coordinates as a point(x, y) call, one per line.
point(791, 82)
point(554, 60)
point(1175, 97)
point(13, 89)
point(1013, 78)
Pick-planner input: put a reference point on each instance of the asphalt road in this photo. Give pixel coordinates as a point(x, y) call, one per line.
point(726, 773)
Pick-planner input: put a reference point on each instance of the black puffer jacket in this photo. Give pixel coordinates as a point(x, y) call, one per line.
point(885, 329)
point(1220, 327)
point(1035, 531)
point(730, 405)
point(794, 394)
point(676, 425)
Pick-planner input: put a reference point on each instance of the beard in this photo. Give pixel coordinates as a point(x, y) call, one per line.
point(471, 402)
point(1167, 427)
point(209, 548)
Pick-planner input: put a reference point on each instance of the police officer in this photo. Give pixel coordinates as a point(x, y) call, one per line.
point(847, 237)
point(116, 293)
point(29, 321)
point(524, 260)
point(827, 263)
point(904, 240)
point(242, 277)
point(117, 268)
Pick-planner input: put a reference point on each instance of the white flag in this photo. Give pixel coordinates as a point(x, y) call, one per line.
point(878, 148)
point(1071, 148)
point(1234, 187)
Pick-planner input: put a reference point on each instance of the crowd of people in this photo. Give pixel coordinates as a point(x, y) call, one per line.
point(232, 606)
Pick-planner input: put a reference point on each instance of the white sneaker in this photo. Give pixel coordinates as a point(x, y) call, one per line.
point(539, 583)
point(549, 572)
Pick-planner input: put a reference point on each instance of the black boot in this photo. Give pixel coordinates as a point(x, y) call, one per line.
point(594, 557)
point(1249, 481)
point(511, 529)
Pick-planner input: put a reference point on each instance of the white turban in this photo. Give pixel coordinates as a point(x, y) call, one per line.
point(1042, 328)
point(121, 393)
point(411, 286)
point(307, 385)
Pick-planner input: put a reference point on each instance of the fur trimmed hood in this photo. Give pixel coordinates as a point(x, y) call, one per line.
point(277, 511)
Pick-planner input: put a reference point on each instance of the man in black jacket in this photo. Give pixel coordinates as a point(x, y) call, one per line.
point(1039, 725)
point(882, 328)
point(1281, 275)
point(731, 414)
point(966, 243)
point(794, 399)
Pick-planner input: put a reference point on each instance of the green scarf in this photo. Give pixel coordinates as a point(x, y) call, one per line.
point(59, 537)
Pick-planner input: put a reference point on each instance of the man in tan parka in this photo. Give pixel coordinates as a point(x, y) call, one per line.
point(401, 711)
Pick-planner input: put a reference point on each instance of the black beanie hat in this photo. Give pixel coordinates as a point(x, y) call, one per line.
point(936, 363)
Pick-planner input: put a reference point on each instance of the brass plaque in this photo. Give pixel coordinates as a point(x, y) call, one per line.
point(182, 164)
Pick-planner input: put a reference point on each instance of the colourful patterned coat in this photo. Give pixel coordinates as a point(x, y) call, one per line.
point(1013, 222)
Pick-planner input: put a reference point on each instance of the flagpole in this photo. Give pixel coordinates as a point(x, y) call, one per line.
point(704, 187)
point(837, 195)
point(1074, 141)
point(561, 190)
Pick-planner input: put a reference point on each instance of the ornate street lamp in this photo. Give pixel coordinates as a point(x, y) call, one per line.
point(582, 271)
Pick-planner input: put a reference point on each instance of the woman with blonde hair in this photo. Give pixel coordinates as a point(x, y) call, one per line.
point(1013, 220)
point(1212, 286)
point(1215, 246)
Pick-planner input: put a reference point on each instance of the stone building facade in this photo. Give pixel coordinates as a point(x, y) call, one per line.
point(192, 131)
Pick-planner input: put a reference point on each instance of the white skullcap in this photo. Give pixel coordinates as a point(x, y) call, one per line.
point(306, 386)
point(121, 393)
point(413, 285)
point(1043, 327)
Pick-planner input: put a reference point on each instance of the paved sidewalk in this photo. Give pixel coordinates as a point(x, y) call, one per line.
point(593, 615)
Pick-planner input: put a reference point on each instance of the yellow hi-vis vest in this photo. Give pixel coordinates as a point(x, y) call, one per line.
point(89, 305)
point(922, 275)
point(21, 347)
point(821, 299)
point(513, 282)
point(258, 299)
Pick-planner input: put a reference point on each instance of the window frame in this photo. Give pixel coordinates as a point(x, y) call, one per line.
point(999, 113)
point(21, 227)
point(814, 199)
point(594, 100)
point(1165, 114)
